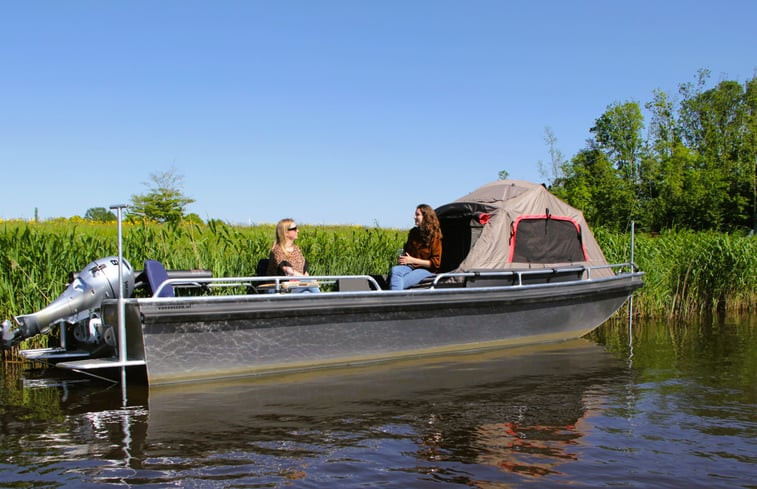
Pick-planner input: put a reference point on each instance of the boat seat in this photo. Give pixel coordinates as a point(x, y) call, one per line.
point(535, 276)
point(156, 275)
point(353, 284)
point(261, 270)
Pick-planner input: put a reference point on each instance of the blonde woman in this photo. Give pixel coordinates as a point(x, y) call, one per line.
point(285, 257)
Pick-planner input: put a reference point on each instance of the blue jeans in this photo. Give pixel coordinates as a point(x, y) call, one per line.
point(403, 276)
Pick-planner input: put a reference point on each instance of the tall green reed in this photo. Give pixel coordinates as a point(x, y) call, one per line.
point(687, 272)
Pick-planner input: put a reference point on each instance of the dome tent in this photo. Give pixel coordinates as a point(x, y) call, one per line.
point(512, 224)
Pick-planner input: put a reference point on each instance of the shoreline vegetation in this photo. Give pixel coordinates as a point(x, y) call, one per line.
point(687, 273)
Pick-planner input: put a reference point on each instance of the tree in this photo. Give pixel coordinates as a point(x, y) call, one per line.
point(664, 131)
point(719, 125)
point(592, 184)
point(99, 214)
point(750, 98)
point(555, 172)
point(603, 179)
point(617, 133)
point(665, 169)
point(165, 201)
point(193, 218)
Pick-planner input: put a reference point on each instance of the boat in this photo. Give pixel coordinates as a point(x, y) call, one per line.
point(519, 267)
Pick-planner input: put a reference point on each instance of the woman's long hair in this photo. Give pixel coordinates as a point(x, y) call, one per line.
point(281, 231)
point(430, 228)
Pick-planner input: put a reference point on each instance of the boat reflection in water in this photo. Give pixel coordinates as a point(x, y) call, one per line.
point(521, 410)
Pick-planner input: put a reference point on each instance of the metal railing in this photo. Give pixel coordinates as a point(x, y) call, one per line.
point(519, 274)
point(275, 284)
point(278, 284)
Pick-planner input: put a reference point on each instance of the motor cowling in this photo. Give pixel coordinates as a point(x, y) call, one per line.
point(85, 293)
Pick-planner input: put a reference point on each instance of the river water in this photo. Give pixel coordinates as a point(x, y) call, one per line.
point(674, 407)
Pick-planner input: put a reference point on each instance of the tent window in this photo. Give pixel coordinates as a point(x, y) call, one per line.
point(546, 239)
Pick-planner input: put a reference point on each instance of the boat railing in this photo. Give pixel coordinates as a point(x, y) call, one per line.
point(263, 284)
point(276, 284)
point(518, 275)
point(628, 265)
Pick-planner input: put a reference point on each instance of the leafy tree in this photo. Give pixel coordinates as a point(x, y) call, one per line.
point(193, 218)
point(593, 184)
point(667, 192)
point(602, 179)
point(664, 171)
point(99, 214)
point(719, 125)
point(617, 133)
point(750, 145)
point(165, 201)
point(663, 128)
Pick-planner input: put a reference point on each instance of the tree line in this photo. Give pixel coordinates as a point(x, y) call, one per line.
point(695, 169)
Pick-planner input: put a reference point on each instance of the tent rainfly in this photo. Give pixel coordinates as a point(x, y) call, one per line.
point(512, 224)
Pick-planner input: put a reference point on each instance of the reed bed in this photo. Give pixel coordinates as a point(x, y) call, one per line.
point(686, 273)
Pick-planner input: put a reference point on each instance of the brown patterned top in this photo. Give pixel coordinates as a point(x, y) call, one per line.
point(279, 257)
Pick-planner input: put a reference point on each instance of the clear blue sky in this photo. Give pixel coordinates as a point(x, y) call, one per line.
point(330, 112)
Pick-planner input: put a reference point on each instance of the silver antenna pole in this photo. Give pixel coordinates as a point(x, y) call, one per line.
point(121, 306)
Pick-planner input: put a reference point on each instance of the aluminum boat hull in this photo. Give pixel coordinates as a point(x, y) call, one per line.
point(199, 338)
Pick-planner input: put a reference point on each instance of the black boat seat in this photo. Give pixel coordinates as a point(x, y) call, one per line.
point(156, 275)
point(261, 270)
point(534, 276)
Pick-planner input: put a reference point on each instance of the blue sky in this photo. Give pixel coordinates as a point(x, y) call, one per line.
point(330, 112)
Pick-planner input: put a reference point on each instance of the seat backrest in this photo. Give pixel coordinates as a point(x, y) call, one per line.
point(353, 284)
point(156, 275)
point(261, 270)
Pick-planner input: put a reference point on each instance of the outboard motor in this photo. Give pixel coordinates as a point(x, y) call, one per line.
point(77, 304)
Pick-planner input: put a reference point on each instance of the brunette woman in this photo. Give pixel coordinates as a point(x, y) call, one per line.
point(422, 253)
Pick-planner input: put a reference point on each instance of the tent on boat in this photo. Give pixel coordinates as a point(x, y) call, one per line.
point(512, 224)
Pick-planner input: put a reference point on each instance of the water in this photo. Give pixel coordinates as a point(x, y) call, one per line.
point(676, 408)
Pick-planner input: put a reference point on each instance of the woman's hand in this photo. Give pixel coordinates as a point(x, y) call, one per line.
point(411, 261)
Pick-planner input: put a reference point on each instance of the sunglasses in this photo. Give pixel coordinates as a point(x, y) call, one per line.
point(292, 229)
